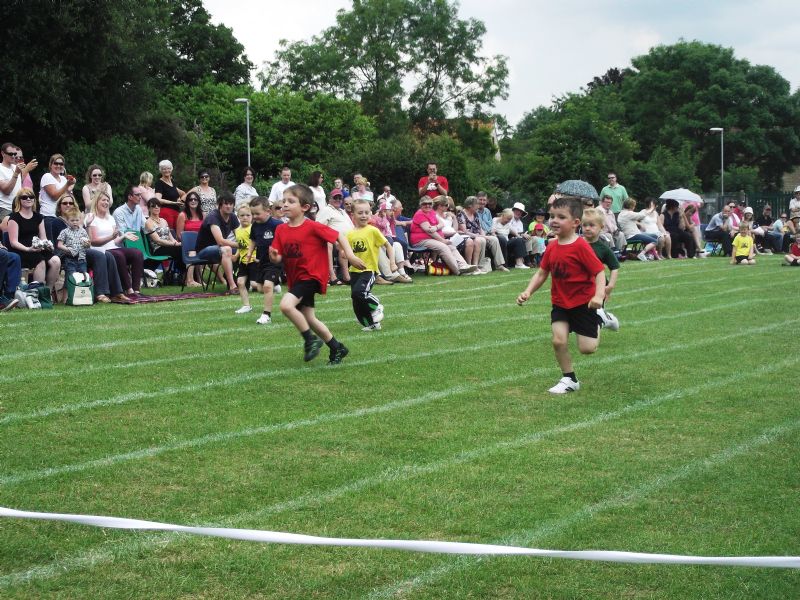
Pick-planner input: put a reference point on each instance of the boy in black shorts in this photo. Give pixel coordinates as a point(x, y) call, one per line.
point(577, 289)
point(266, 274)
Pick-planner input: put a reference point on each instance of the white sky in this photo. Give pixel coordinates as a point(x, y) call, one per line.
point(557, 46)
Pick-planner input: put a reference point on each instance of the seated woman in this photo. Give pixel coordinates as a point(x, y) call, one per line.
point(190, 219)
point(469, 224)
point(161, 241)
point(630, 223)
point(511, 244)
point(425, 231)
point(691, 223)
point(106, 236)
point(107, 286)
point(24, 224)
point(672, 221)
point(381, 222)
point(465, 245)
point(651, 225)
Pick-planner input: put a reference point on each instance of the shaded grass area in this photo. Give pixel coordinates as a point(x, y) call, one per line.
point(437, 427)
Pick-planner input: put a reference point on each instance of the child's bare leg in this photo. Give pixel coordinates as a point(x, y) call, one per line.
point(241, 282)
point(316, 325)
point(588, 345)
point(269, 294)
point(331, 268)
point(560, 345)
point(289, 309)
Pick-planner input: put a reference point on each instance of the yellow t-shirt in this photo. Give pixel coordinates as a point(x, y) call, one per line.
point(243, 239)
point(366, 243)
point(742, 244)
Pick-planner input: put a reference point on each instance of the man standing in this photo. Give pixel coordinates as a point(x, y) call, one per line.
point(719, 229)
point(433, 185)
point(129, 216)
point(12, 174)
point(276, 193)
point(617, 192)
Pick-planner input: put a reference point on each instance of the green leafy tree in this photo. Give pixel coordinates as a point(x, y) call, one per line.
point(377, 43)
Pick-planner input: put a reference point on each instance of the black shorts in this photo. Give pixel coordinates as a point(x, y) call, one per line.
point(741, 258)
point(269, 272)
point(249, 270)
point(305, 290)
point(582, 320)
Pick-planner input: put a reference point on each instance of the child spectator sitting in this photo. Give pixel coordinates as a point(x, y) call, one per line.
point(792, 257)
point(73, 242)
point(743, 247)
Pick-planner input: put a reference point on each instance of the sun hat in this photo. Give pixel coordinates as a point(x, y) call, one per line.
point(748, 210)
point(520, 206)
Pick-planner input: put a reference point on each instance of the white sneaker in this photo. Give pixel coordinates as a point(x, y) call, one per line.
point(377, 314)
point(564, 386)
point(276, 289)
point(373, 327)
point(468, 269)
point(642, 256)
point(264, 319)
point(243, 310)
point(610, 322)
point(521, 267)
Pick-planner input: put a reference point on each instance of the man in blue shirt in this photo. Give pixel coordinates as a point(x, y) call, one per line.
point(129, 216)
point(719, 230)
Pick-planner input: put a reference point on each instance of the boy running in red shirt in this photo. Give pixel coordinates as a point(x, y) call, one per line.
point(302, 245)
point(577, 289)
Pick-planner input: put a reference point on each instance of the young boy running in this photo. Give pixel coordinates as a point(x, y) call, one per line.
point(366, 241)
point(302, 244)
point(592, 224)
point(577, 289)
point(266, 275)
point(246, 270)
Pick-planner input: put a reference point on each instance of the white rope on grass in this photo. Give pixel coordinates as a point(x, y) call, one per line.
point(277, 537)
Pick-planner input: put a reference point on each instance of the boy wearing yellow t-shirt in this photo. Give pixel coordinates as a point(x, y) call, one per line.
point(743, 247)
point(248, 269)
point(366, 242)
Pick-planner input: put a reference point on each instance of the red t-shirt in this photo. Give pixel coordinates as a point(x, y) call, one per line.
point(417, 233)
point(573, 268)
point(794, 249)
point(433, 191)
point(305, 251)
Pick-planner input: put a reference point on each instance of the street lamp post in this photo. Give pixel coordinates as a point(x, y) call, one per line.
point(246, 103)
point(721, 131)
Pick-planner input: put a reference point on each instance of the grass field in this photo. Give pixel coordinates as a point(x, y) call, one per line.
point(683, 439)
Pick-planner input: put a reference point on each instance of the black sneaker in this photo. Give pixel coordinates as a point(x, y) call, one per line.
point(311, 348)
point(337, 356)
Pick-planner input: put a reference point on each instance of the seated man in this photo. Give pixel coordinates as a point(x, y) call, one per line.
point(611, 233)
point(215, 240)
point(719, 229)
point(10, 270)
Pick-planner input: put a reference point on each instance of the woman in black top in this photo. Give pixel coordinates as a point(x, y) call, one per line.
point(672, 221)
point(24, 224)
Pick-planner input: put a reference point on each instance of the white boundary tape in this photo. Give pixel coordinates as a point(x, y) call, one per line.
point(277, 537)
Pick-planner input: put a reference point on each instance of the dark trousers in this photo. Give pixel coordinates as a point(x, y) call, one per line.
point(364, 302)
point(130, 265)
point(512, 248)
point(683, 237)
point(720, 236)
point(10, 272)
point(104, 272)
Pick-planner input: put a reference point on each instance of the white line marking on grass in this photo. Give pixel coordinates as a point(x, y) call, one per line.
point(324, 419)
point(249, 377)
point(131, 547)
point(587, 512)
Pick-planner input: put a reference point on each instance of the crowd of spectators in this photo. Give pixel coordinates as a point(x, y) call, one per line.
point(47, 233)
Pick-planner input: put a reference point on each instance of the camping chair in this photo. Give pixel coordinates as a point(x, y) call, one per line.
point(713, 247)
point(188, 243)
point(150, 260)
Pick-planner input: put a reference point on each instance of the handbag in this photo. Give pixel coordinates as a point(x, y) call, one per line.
point(80, 289)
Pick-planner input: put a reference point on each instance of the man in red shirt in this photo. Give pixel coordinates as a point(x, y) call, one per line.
point(577, 289)
point(433, 185)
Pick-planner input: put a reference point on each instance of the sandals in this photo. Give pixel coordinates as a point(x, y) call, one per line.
point(336, 282)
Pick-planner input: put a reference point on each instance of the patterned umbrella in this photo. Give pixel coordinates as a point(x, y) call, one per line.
point(576, 187)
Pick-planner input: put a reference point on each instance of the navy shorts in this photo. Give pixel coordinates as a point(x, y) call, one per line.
point(582, 320)
point(269, 272)
point(306, 290)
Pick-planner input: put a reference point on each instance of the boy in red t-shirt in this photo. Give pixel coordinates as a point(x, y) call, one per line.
point(577, 289)
point(302, 245)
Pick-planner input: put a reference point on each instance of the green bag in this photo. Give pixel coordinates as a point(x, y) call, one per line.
point(45, 297)
point(80, 289)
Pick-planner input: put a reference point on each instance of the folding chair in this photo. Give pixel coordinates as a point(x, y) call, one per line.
point(188, 243)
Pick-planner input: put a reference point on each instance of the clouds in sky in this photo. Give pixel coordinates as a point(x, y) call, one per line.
point(556, 47)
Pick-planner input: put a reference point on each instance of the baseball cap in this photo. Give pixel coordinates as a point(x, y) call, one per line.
point(748, 210)
point(538, 226)
point(337, 192)
point(797, 189)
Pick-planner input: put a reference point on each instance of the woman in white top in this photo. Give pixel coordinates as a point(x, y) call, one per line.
point(95, 183)
point(628, 222)
point(315, 183)
point(511, 244)
point(105, 235)
point(445, 213)
point(245, 190)
point(53, 184)
point(652, 224)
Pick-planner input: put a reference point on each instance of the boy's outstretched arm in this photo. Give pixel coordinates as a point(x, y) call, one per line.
point(348, 252)
point(536, 282)
point(599, 290)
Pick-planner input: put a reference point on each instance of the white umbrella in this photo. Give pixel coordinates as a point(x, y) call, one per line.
point(682, 195)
